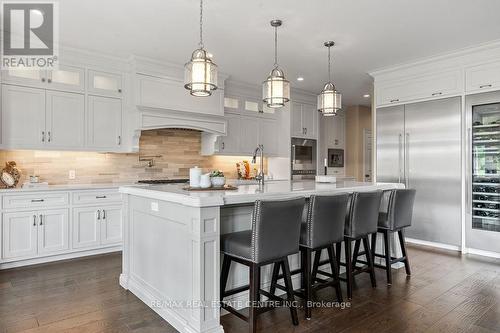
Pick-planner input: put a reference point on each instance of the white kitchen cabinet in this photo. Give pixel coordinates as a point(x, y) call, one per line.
point(97, 226)
point(104, 122)
point(104, 84)
point(335, 131)
point(53, 231)
point(23, 116)
point(427, 86)
point(19, 234)
point(111, 225)
point(485, 77)
point(28, 77)
point(250, 134)
point(86, 227)
point(65, 119)
point(268, 136)
point(304, 121)
point(67, 78)
point(230, 144)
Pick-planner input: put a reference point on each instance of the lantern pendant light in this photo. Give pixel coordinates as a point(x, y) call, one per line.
point(329, 100)
point(276, 89)
point(200, 74)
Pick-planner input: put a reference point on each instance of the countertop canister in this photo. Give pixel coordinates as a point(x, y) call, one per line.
point(194, 176)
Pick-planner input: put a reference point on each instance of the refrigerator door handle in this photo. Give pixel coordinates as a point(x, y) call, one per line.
point(400, 155)
point(407, 162)
point(469, 178)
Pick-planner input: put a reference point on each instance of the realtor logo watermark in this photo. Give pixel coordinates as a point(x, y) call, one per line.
point(30, 35)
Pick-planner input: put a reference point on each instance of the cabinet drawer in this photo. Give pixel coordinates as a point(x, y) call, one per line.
point(96, 197)
point(35, 200)
point(420, 87)
point(483, 77)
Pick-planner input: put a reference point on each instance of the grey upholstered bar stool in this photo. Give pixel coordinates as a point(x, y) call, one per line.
point(361, 221)
point(322, 227)
point(274, 236)
point(394, 217)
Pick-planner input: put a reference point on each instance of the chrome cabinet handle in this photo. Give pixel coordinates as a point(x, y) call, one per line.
point(223, 146)
point(437, 94)
point(37, 200)
point(305, 130)
point(100, 197)
point(43, 136)
point(485, 86)
point(103, 214)
point(119, 140)
point(49, 136)
point(41, 219)
point(98, 214)
point(407, 173)
point(34, 220)
point(293, 154)
point(394, 100)
point(400, 150)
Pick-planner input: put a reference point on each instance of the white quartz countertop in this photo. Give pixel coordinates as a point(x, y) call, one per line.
point(66, 187)
point(249, 193)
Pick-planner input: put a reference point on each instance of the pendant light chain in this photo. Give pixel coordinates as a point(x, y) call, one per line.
point(275, 47)
point(329, 66)
point(201, 24)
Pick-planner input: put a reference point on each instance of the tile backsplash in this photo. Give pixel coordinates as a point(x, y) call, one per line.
point(178, 150)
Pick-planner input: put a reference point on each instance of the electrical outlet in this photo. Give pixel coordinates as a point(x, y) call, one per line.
point(72, 174)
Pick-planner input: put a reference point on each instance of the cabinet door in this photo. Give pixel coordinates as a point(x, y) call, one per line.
point(296, 120)
point(23, 117)
point(309, 121)
point(111, 225)
point(105, 122)
point(68, 78)
point(53, 231)
point(230, 144)
point(336, 138)
point(250, 137)
point(106, 84)
point(484, 77)
point(28, 77)
point(65, 119)
point(86, 227)
point(268, 137)
point(20, 234)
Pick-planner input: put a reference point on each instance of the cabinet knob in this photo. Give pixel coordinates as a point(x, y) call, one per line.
point(120, 91)
point(43, 79)
point(49, 80)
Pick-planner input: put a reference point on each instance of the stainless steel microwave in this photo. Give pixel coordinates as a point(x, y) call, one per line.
point(303, 158)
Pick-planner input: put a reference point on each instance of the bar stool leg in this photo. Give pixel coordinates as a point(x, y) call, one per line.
point(335, 272)
point(306, 276)
point(356, 253)
point(289, 291)
point(374, 244)
point(403, 251)
point(254, 297)
point(317, 257)
point(387, 253)
point(348, 266)
point(338, 252)
point(274, 278)
point(226, 264)
point(369, 259)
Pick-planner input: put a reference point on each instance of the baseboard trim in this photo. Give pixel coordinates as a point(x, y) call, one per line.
point(483, 253)
point(59, 257)
point(433, 244)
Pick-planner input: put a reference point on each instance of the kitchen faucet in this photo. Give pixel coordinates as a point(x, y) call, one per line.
point(260, 176)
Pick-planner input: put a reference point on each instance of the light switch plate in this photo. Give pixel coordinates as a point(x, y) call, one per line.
point(154, 206)
point(72, 174)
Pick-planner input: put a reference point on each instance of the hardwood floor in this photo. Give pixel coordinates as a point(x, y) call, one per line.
point(446, 293)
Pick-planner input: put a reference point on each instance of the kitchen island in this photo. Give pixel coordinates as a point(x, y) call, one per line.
point(171, 243)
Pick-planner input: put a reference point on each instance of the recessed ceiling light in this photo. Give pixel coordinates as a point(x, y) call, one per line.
point(300, 78)
point(366, 95)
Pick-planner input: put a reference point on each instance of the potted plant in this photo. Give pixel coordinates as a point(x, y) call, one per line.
point(217, 178)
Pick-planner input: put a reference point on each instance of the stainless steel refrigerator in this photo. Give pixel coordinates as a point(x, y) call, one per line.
point(419, 145)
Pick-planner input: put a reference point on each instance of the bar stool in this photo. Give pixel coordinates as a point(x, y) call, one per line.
point(322, 227)
point(274, 236)
point(360, 222)
point(396, 216)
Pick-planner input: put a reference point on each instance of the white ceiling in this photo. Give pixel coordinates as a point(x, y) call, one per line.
point(369, 34)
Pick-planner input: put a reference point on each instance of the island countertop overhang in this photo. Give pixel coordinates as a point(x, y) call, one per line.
point(246, 194)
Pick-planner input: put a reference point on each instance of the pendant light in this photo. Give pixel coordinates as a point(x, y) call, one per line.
point(276, 89)
point(200, 74)
point(329, 100)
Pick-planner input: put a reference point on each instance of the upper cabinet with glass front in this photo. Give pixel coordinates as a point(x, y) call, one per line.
point(66, 78)
point(105, 84)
